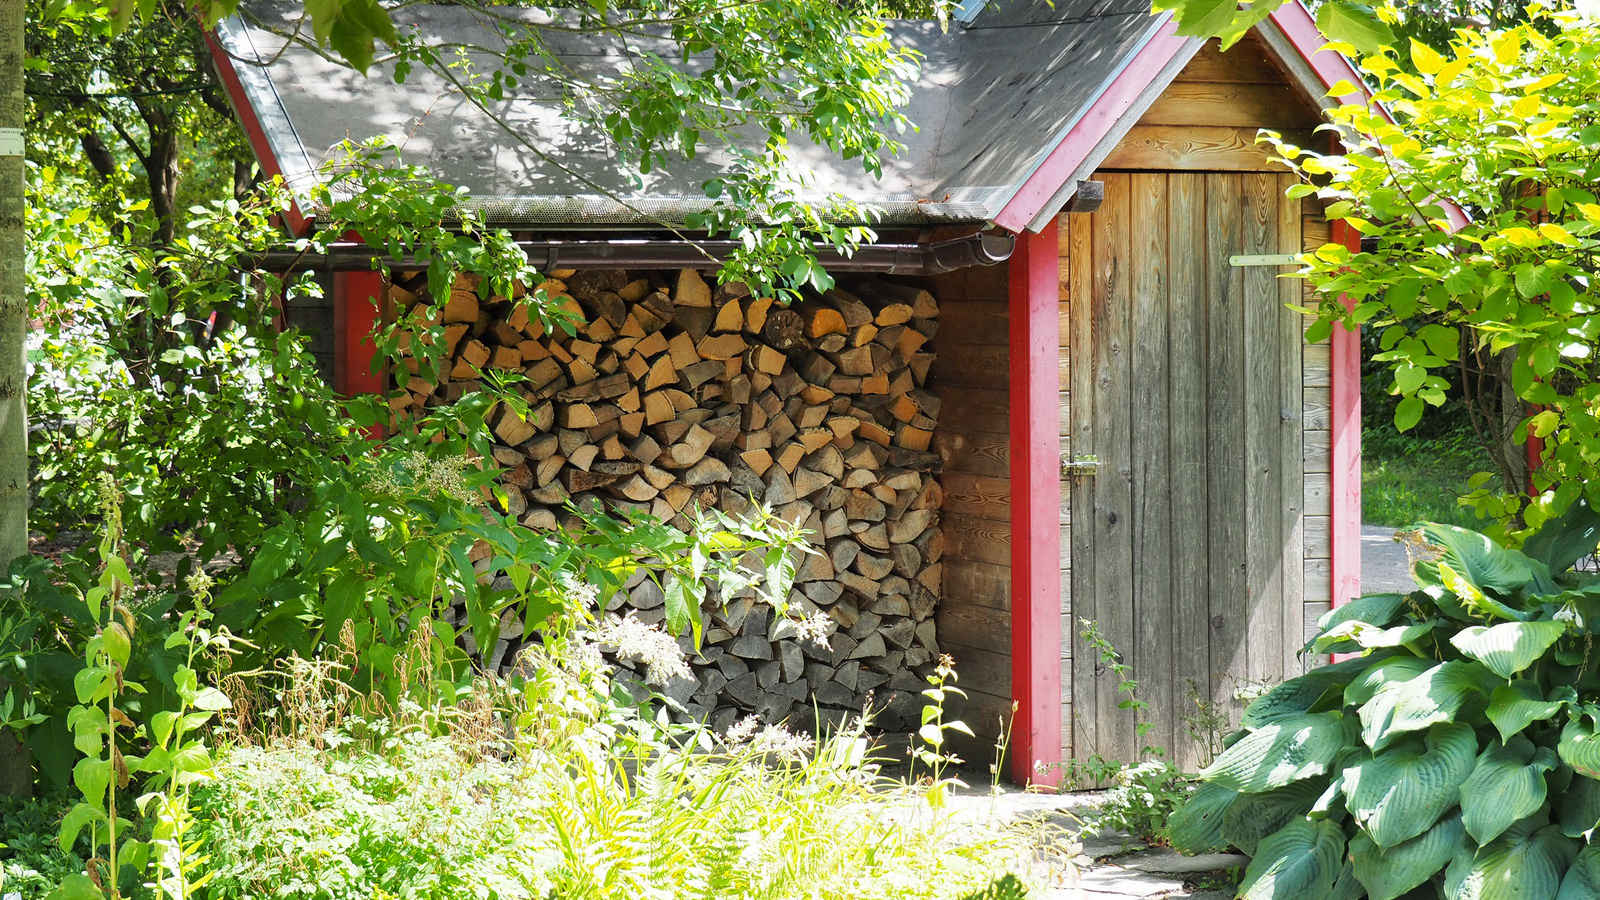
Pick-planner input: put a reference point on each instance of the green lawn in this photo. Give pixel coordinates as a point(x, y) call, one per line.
point(1406, 480)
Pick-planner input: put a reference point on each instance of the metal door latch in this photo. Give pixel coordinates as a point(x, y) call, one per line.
point(1080, 465)
point(1264, 259)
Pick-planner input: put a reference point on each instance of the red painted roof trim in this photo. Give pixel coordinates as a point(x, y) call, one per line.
point(299, 224)
point(1080, 140)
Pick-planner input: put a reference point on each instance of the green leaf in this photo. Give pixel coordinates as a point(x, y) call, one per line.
point(1435, 696)
point(1301, 693)
point(1205, 18)
point(1391, 671)
point(1387, 874)
point(1514, 706)
point(1582, 881)
point(1509, 647)
point(1274, 755)
point(1579, 807)
point(78, 886)
point(1197, 826)
point(1300, 861)
point(1253, 817)
point(1561, 542)
point(1408, 412)
point(278, 549)
point(1354, 24)
point(1506, 785)
point(1486, 564)
point(1526, 862)
point(1402, 791)
point(1374, 609)
point(81, 815)
point(1580, 747)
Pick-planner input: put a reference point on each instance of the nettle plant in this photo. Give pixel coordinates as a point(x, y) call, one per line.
point(1455, 753)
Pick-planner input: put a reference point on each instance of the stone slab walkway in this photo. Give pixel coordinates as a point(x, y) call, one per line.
point(1109, 866)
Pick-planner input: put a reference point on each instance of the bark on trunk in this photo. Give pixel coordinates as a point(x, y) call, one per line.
point(14, 764)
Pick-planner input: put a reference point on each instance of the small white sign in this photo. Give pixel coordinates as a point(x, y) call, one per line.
point(11, 142)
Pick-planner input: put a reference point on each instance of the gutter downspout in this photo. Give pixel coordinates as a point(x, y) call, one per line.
point(934, 258)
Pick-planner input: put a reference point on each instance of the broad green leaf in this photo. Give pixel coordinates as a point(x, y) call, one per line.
point(1387, 874)
point(1509, 647)
point(78, 886)
point(1506, 785)
point(1562, 541)
point(1253, 817)
point(81, 815)
point(1274, 755)
point(1430, 698)
point(278, 549)
point(1526, 862)
point(1580, 747)
point(1394, 670)
point(1374, 609)
point(1514, 706)
point(1579, 806)
point(1197, 826)
point(1428, 62)
point(1354, 24)
point(1485, 563)
point(1582, 881)
point(1403, 790)
point(1300, 861)
point(1369, 637)
point(1204, 18)
point(1299, 694)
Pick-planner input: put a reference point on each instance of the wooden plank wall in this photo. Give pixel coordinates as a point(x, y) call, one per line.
point(970, 377)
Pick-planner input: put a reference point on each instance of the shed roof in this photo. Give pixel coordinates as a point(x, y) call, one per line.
point(996, 102)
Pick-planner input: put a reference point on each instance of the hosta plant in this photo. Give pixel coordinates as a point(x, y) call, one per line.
point(1452, 752)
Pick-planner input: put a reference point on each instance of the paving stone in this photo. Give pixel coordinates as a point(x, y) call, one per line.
point(1170, 862)
point(1127, 882)
point(1103, 846)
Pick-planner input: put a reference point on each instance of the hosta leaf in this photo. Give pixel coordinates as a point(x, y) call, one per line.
point(1369, 637)
point(1386, 874)
point(1301, 860)
point(1402, 791)
point(1274, 755)
point(1562, 541)
point(1582, 881)
point(1509, 647)
point(1300, 694)
point(1506, 785)
point(1374, 609)
point(1386, 672)
point(1579, 807)
point(1197, 826)
point(1253, 817)
point(1430, 698)
point(1525, 863)
point(1348, 887)
point(1514, 706)
point(1580, 748)
point(1485, 563)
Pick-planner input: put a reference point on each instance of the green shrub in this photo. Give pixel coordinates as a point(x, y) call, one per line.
point(1456, 754)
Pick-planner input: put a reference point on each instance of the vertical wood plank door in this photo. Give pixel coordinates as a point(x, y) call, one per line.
point(1187, 543)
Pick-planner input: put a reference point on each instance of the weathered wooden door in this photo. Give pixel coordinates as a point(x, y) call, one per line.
point(1185, 385)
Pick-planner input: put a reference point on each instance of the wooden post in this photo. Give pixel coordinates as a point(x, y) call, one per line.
point(355, 313)
point(1035, 493)
point(1345, 352)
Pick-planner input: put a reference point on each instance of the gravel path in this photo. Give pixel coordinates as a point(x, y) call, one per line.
point(1384, 565)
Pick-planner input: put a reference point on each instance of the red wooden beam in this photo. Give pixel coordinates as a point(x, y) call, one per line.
point(1035, 500)
point(1346, 444)
point(355, 316)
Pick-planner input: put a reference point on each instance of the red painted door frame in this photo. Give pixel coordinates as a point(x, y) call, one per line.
point(355, 314)
point(1035, 503)
point(1345, 381)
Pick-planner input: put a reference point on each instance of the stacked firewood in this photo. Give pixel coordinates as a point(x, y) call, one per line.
point(674, 394)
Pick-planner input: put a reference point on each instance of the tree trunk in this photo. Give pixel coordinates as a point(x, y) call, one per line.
point(14, 763)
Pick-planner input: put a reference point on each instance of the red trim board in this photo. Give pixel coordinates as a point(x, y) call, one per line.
point(1035, 495)
point(355, 315)
point(1345, 352)
point(298, 222)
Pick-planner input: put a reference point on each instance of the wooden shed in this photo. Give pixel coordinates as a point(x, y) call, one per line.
point(1130, 427)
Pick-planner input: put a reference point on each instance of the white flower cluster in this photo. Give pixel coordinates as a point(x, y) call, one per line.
point(775, 740)
point(580, 594)
point(648, 644)
point(443, 476)
point(814, 629)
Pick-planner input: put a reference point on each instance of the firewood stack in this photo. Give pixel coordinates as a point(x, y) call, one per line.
point(677, 394)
